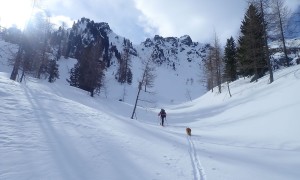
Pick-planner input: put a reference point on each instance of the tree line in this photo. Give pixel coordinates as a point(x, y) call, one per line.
point(249, 55)
point(35, 55)
point(40, 47)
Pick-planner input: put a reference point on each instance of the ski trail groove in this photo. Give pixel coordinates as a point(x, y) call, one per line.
point(288, 73)
point(297, 74)
point(197, 167)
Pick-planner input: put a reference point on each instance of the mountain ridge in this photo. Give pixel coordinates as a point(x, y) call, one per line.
point(181, 56)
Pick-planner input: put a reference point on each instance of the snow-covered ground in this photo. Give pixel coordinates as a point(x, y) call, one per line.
point(54, 131)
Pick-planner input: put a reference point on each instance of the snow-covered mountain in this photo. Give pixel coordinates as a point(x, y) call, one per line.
point(178, 61)
point(179, 65)
point(173, 51)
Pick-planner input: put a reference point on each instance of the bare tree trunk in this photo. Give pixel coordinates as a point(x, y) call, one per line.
point(217, 62)
point(136, 100)
point(267, 53)
point(17, 64)
point(92, 93)
point(228, 89)
point(281, 11)
point(283, 41)
point(146, 74)
point(14, 73)
point(42, 63)
point(219, 79)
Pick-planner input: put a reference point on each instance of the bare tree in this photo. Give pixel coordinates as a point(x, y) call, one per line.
point(17, 63)
point(280, 14)
point(218, 62)
point(267, 53)
point(18, 60)
point(209, 70)
point(149, 78)
point(188, 94)
point(213, 66)
point(45, 26)
point(33, 55)
point(148, 72)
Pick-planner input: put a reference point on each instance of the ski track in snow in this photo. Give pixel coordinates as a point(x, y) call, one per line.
point(297, 74)
point(69, 158)
point(197, 167)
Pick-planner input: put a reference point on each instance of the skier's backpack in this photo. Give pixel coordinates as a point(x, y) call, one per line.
point(163, 112)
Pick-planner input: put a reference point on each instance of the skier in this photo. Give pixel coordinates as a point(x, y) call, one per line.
point(163, 116)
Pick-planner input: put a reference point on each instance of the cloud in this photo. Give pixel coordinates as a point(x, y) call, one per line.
point(122, 16)
point(59, 20)
point(139, 19)
point(293, 4)
point(197, 18)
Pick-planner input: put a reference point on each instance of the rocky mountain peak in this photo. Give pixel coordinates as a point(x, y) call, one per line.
point(186, 39)
point(171, 51)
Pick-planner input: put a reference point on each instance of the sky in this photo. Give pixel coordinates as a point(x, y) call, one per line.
point(55, 131)
point(141, 19)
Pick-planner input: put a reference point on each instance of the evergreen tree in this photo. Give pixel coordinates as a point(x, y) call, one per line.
point(124, 63)
point(88, 73)
point(74, 75)
point(52, 71)
point(230, 60)
point(251, 57)
point(88, 47)
point(59, 40)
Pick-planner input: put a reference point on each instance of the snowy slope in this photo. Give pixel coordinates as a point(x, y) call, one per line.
point(54, 131)
point(254, 134)
point(185, 78)
point(45, 135)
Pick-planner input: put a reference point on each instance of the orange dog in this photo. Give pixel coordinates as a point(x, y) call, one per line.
point(188, 131)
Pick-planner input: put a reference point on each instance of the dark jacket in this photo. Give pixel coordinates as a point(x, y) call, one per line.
point(162, 113)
